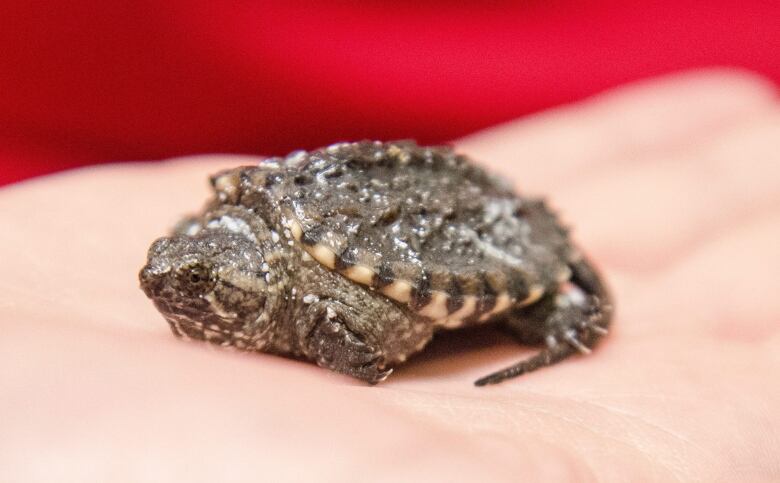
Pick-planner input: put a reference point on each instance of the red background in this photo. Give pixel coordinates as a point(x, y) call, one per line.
point(84, 82)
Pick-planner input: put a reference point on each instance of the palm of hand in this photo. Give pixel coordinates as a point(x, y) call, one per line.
point(673, 189)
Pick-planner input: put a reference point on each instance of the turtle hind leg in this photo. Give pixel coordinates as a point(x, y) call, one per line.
point(557, 323)
point(569, 321)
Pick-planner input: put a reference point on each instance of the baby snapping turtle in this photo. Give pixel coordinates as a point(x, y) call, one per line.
point(353, 255)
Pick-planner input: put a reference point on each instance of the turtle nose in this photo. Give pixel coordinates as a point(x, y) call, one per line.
point(151, 280)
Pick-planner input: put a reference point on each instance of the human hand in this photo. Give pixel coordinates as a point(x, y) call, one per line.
point(673, 187)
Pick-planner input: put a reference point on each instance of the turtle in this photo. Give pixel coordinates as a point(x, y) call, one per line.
point(354, 255)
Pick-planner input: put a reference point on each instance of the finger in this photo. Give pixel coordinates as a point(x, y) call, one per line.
point(644, 215)
point(543, 150)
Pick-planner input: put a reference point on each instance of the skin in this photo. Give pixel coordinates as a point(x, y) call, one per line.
point(673, 186)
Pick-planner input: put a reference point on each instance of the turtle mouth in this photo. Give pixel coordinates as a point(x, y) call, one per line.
point(193, 320)
point(191, 316)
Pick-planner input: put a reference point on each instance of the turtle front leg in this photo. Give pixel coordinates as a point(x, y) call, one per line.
point(568, 321)
point(328, 338)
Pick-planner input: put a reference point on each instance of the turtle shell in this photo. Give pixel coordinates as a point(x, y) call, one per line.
point(422, 225)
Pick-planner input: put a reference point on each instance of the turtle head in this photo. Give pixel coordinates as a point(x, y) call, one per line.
point(207, 285)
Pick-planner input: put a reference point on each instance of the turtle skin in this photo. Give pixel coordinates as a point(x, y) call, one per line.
point(354, 255)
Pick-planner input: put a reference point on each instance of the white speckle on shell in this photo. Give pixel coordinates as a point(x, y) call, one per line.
point(193, 229)
point(335, 147)
point(270, 164)
point(227, 185)
point(234, 225)
point(296, 157)
point(310, 298)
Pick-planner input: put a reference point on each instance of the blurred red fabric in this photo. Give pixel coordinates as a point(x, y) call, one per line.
point(85, 82)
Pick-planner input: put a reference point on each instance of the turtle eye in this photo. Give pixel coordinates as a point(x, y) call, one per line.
point(199, 275)
point(195, 277)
